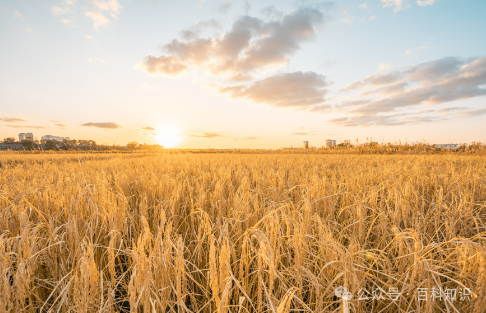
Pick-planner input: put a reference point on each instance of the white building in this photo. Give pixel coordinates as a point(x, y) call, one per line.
point(306, 145)
point(57, 138)
point(447, 146)
point(26, 136)
point(330, 143)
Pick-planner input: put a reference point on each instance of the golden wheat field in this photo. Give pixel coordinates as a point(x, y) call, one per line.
point(242, 233)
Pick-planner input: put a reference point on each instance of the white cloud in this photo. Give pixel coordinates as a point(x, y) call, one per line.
point(346, 20)
point(65, 21)
point(250, 45)
point(18, 15)
point(251, 48)
point(373, 17)
point(57, 10)
point(98, 18)
point(30, 30)
point(424, 3)
point(363, 6)
point(112, 7)
point(107, 5)
point(384, 66)
point(397, 4)
point(410, 52)
point(70, 2)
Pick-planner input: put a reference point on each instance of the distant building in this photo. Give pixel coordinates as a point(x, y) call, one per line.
point(29, 136)
point(306, 145)
point(347, 142)
point(330, 143)
point(21, 136)
point(14, 146)
point(447, 146)
point(57, 138)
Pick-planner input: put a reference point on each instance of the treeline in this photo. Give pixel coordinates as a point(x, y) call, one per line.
point(477, 148)
point(65, 145)
point(73, 144)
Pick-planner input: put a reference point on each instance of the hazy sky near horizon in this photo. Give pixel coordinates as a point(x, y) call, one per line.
point(244, 73)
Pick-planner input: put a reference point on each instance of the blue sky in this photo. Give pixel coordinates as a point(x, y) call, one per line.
point(386, 69)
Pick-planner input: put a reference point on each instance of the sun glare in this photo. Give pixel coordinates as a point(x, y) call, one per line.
point(168, 137)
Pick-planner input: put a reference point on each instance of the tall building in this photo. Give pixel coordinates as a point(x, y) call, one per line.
point(21, 136)
point(306, 145)
point(330, 143)
point(29, 136)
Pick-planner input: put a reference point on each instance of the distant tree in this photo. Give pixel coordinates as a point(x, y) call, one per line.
point(51, 144)
point(28, 144)
point(132, 145)
point(66, 145)
point(9, 140)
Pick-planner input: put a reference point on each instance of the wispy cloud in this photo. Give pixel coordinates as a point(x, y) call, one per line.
point(384, 66)
point(302, 134)
point(18, 15)
point(11, 120)
point(431, 83)
point(148, 128)
point(98, 19)
point(396, 4)
point(224, 7)
point(382, 120)
point(363, 6)
point(410, 52)
point(251, 138)
point(408, 118)
point(101, 7)
point(296, 90)
point(200, 27)
point(25, 126)
point(106, 125)
point(60, 125)
point(207, 135)
point(57, 10)
point(424, 3)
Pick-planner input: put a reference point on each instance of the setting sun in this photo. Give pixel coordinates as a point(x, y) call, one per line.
point(168, 137)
